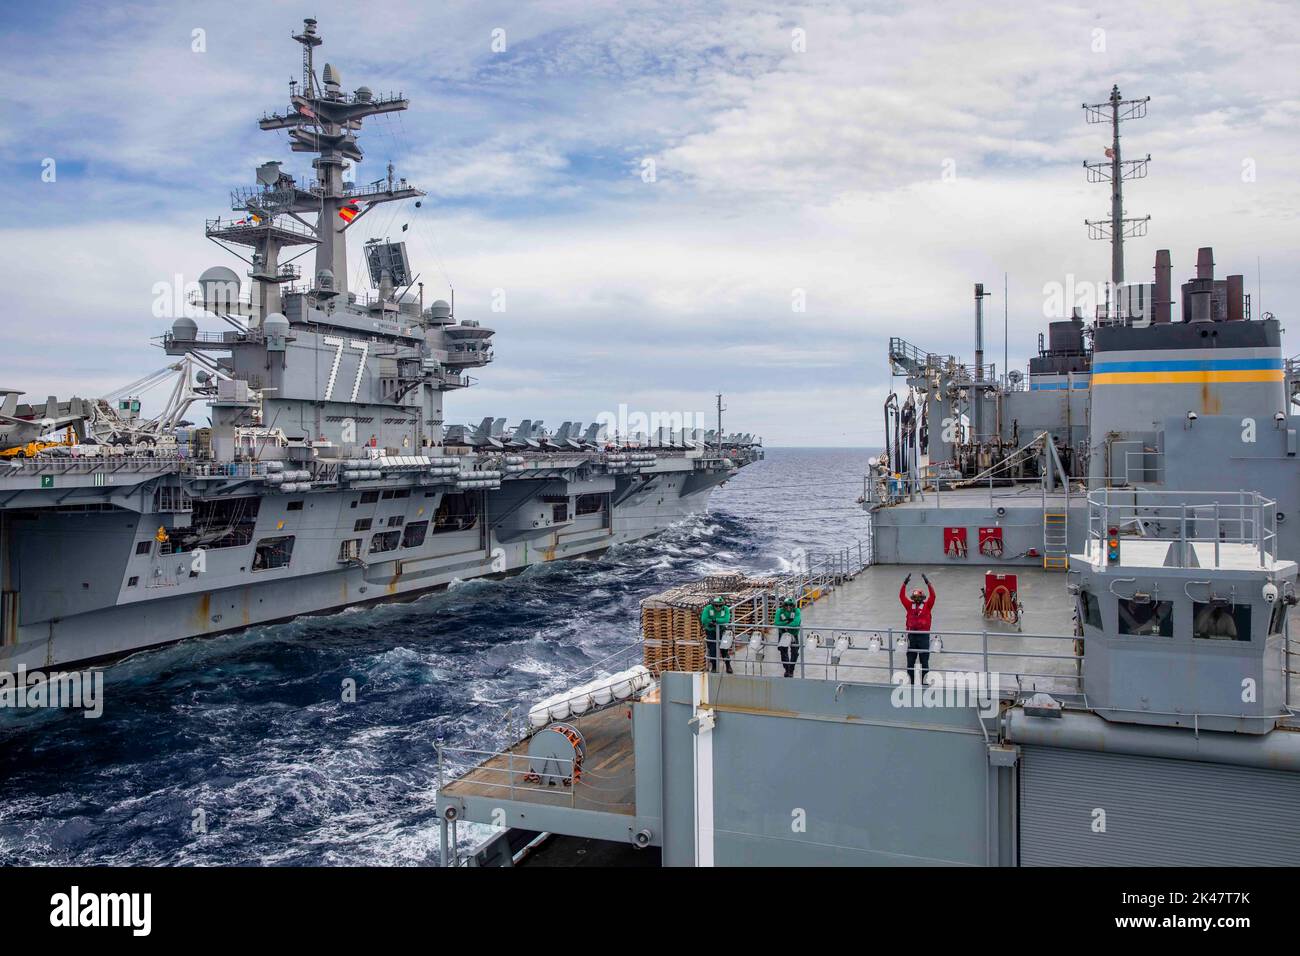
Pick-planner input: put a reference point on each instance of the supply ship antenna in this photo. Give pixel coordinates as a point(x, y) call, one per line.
point(1114, 171)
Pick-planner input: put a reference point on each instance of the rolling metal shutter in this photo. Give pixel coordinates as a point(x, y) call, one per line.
point(1159, 812)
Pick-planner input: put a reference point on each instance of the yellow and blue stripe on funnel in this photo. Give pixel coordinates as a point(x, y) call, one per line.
point(1188, 371)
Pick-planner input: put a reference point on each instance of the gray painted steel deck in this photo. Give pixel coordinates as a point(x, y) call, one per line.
point(607, 782)
point(870, 601)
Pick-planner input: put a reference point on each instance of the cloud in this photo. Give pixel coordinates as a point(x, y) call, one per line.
point(871, 168)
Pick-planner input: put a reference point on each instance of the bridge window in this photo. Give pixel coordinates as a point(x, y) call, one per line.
point(273, 553)
point(1146, 618)
point(589, 504)
point(1221, 621)
point(361, 524)
point(369, 497)
point(143, 547)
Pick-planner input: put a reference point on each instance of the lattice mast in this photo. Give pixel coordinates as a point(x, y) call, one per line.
point(324, 120)
point(1114, 171)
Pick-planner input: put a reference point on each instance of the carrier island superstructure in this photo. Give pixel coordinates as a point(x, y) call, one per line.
point(1112, 536)
point(327, 476)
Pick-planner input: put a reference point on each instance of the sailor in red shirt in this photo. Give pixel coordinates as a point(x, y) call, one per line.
point(918, 607)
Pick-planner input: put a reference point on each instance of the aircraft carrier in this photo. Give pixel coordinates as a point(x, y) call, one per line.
point(1111, 536)
point(327, 475)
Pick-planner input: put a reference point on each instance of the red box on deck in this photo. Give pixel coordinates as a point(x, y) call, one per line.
point(1001, 601)
point(996, 583)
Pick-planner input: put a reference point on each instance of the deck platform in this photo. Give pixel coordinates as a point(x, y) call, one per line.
point(607, 781)
point(1040, 655)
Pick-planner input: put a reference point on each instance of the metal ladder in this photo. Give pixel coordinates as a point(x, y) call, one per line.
point(1056, 554)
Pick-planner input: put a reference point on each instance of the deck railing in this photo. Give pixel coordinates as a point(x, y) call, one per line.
point(1021, 661)
point(1212, 517)
point(515, 778)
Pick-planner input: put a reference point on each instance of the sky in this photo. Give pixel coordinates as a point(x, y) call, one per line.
point(655, 202)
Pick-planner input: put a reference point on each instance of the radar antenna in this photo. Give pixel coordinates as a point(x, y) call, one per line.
point(1114, 171)
point(323, 119)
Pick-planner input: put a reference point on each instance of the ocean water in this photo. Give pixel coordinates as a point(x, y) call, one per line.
point(241, 750)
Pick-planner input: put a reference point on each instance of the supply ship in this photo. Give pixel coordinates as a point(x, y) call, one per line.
point(327, 476)
point(1112, 540)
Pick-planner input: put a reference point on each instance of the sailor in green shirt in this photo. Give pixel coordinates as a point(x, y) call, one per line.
point(786, 621)
point(715, 616)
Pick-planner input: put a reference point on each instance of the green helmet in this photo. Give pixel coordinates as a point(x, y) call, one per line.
point(717, 599)
point(787, 601)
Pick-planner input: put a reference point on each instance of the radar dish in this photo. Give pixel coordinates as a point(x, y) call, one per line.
point(268, 174)
point(388, 257)
point(220, 287)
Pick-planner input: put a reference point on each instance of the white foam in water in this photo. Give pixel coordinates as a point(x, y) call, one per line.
point(529, 665)
point(479, 694)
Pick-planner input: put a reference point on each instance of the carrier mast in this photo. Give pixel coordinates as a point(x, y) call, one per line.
point(1114, 171)
point(324, 120)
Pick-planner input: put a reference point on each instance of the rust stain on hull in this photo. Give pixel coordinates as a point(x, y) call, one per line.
point(1211, 403)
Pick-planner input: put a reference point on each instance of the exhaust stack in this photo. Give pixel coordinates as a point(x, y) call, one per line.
point(1236, 298)
point(1198, 294)
point(977, 397)
point(1164, 300)
point(1205, 262)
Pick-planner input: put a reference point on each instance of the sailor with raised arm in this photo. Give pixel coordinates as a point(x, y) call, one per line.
point(918, 607)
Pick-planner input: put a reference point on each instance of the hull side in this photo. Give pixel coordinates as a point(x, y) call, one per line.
point(66, 622)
